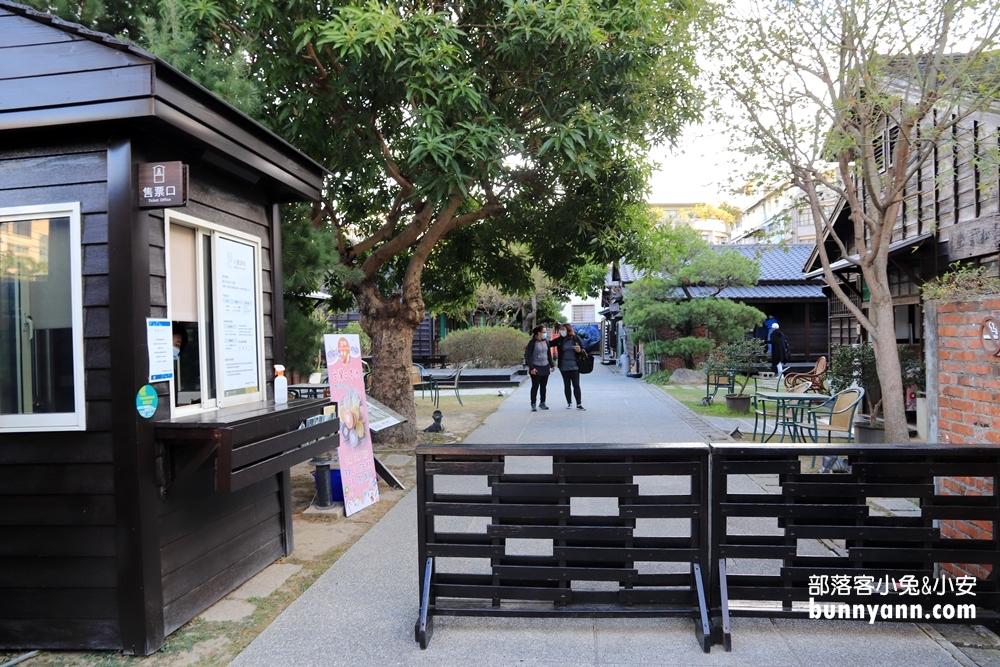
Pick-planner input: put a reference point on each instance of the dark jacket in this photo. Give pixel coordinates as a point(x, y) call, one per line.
point(779, 348)
point(528, 353)
point(567, 358)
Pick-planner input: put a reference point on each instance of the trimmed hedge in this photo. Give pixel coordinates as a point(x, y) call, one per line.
point(485, 347)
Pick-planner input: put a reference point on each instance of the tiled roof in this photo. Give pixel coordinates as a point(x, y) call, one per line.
point(778, 264)
point(767, 292)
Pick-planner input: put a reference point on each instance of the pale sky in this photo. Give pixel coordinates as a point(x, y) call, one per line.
point(698, 170)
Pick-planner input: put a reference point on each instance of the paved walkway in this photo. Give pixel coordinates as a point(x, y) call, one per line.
point(362, 610)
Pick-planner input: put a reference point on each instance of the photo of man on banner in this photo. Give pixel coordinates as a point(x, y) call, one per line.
point(347, 390)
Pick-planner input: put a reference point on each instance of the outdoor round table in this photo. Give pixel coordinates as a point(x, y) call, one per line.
point(787, 407)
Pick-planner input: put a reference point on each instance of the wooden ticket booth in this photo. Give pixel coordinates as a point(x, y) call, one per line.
point(136, 489)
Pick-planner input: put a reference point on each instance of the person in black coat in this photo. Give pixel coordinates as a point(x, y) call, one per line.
point(538, 359)
point(569, 347)
point(779, 349)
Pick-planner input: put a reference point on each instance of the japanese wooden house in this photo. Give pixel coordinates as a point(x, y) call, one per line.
point(797, 301)
point(131, 501)
point(950, 213)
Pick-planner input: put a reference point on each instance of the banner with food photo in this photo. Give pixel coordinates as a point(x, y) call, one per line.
point(347, 390)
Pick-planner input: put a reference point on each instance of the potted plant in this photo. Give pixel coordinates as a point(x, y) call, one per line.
point(854, 365)
point(737, 359)
point(915, 382)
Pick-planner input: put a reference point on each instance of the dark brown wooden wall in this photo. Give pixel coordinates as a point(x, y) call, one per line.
point(210, 543)
point(58, 569)
point(956, 192)
point(58, 566)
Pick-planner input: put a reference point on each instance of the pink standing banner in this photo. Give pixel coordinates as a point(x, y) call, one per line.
point(347, 390)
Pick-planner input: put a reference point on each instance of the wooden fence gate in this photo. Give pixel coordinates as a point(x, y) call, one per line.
point(563, 530)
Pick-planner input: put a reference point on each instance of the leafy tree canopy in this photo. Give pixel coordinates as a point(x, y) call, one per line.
point(853, 98)
point(469, 141)
point(436, 117)
point(676, 300)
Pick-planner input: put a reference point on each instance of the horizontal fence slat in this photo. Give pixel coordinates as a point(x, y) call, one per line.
point(756, 551)
point(464, 467)
point(465, 550)
point(565, 573)
point(795, 511)
point(502, 592)
point(560, 532)
point(556, 490)
point(645, 468)
point(865, 489)
point(660, 511)
point(901, 533)
point(925, 555)
point(967, 512)
point(508, 511)
point(683, 555)
point(927, 469)
point(752, 467)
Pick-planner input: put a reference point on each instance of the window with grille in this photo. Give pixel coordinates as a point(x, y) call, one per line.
point(583, 312)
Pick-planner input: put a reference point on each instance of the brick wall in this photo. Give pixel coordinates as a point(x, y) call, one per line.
point(968, 404)
point(968, 378)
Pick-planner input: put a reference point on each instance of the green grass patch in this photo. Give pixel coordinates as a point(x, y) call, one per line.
point(691, 398)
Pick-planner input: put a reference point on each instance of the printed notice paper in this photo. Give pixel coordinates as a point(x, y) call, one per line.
point(160, 343)
point(238, 314)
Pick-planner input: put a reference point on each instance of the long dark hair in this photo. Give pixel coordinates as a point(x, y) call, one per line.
point(570, 331)
point(537, 330)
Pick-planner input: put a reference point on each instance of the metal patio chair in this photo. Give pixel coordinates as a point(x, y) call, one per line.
point(451, 382)
point(836, 415)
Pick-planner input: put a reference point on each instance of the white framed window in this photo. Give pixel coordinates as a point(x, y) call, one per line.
point(41, 319)
point(583, 312)
point(215, 302)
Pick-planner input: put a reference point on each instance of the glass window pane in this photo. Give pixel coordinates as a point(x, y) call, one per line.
point(183, 274)
point(36, 317)
point(187, 365)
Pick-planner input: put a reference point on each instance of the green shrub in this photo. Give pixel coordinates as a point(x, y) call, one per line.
point(659, 377)
point(485, 347)
point(961, 283)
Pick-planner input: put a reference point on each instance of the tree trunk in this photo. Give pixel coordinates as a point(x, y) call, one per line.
point(391, 323)
point(887, 362)
point(528, 323)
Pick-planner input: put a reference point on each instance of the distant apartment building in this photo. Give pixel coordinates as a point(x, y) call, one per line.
point(783, 215)
point(713, 224)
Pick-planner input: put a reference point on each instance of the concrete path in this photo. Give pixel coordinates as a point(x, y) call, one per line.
point(362, 610)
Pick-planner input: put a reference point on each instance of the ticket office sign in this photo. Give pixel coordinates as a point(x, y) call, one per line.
point(163, 184)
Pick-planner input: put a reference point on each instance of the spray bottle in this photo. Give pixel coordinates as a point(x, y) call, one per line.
point(280, 385)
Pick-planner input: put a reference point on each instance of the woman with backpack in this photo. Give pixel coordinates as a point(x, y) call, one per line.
point(569, 348)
